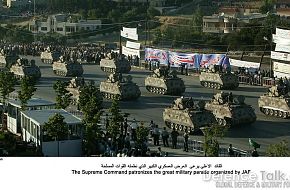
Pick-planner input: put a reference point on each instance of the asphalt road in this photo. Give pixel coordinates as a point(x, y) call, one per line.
point(266, 130)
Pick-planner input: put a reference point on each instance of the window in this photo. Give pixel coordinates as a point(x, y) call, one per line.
point(59, 29)
point(43, 28)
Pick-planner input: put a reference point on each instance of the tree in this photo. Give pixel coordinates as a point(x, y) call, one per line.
point(27, 89)
point(152, 12)
point(7, 84)
point(142, 135)
point(90, 101)
point(267, 6)
point(115, 120)
point(211, 135)
point(92, 135)
point(62, 94)
point(56, 128)
point(279, 150)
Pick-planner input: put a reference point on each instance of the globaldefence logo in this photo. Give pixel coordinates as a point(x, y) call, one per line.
point(248, 179)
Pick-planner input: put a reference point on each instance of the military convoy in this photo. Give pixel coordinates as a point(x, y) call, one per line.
point(67, 68)
point(25, 68)
point(119, 88)
point(74, 88)
point(276, 102)
point(163, 82)
point(49, 57)
point(113, 64)
point(215, 77)
point(187, 115)
point(230, 111)
point(6, 60)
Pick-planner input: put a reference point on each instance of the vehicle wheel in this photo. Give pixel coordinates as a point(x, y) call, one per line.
point(205, 84)
point(224, 122)
point(267, 111)
point(180, 128)
point(271, 112)
point(280, 114)
point(285, 115)
point(276, 113)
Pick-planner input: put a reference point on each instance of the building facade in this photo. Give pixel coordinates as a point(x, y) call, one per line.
point(32, 122)
point(63, 24)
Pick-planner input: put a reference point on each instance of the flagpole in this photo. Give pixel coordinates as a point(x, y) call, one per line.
point(120, 41)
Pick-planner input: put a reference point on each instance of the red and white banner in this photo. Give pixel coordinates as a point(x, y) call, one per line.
point(156, 55)
point(280, 56)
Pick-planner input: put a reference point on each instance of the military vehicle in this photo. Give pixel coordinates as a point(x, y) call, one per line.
point(74, 87)
point(6, 60)
point(230, 111)
point(113, 64)
point(67, 68)
point(161, 82)
point(216, 77)
point(186, 115)
point(276, 102)
point(49, 57)
point(119, 88)
point(25, 68)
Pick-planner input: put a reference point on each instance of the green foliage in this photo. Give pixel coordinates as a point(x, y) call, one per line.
point(115, 120)
point(90, 101)
point(268, 6)
point(211, 144)
point(27, 88)
point(92, 135)
point(7, 84)
point(152, 12)
point(279, 150)
point(142, 134)
point(15, 34)
point(56, 128)
point(62, 94)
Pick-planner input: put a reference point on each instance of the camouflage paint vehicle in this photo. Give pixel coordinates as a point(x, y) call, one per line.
point(119, 88)
point(25, 68)
point(230, 111)
point(216, 78)
point(185, 114)
point(67, 68)
point(6, 60)
point(74, 87)
point(49, 57)
point(113, 64)
point(161, 82)
point(276, 102)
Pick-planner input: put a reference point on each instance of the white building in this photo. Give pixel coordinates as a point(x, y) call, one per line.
point(16, 3)
point(63, 24)
point(14, 109)
point(32, 122)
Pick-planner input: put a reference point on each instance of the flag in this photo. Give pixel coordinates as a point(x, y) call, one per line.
point(254, 144)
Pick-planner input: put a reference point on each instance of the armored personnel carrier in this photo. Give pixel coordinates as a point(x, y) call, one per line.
point(276, 102)
point(49, 57)
point(113, 64)
point(74, 87)
point(6, 60)
point(216, 77)
point(25, 68)
point(161, 82)
point(230, 111)
point(185, 114)
point(120, 88)
point(67, 68)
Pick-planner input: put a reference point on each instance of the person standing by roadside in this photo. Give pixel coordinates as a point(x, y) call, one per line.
point(185, 142)
point(174, 135)
point(165, 136)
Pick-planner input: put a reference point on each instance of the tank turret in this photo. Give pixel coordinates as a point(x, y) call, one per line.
point(219, 78)
point(74, 87)
point(112, 63)
point(163, 82)
point(229, 110)
point(119, 87)
point(67, 68)
point(276, 102)
point(24, 67)
point(185, 114)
